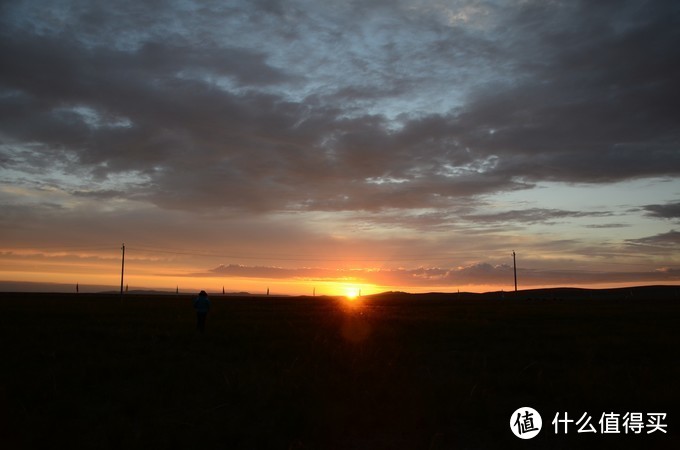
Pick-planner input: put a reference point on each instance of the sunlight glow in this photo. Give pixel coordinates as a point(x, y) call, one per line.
point(352, 292)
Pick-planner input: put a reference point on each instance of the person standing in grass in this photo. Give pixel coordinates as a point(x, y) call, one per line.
point(202, 306)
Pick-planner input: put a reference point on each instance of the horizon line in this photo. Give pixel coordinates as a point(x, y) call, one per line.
point(68, 288)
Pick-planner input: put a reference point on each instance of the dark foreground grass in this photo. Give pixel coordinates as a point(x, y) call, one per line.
point(389, 372)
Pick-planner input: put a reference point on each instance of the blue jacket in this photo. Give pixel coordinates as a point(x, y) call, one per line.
point(202, 303)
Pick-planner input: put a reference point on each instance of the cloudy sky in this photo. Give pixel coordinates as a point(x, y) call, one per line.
point(392, 144)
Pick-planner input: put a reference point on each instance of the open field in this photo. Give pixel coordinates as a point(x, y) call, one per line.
point(386, 372)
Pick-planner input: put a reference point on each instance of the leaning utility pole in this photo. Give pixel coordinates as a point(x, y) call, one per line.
point(122, 271)
point(514, 268)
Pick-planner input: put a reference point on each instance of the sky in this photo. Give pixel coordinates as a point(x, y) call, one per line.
point(329, 146)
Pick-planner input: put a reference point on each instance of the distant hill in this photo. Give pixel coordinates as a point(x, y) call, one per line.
point(665, 291)
point(140, 292)
point(181, 292)
point(27, 286)
point(657, 291)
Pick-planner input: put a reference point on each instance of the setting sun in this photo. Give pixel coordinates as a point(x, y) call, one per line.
point(352, 292)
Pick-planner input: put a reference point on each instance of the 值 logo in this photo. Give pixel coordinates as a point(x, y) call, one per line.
point(525, 422)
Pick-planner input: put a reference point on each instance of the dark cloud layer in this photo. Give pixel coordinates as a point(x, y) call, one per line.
point(667, 211)
point(328, 115)
point(474, 274)
point(533, 215)
point(662, 241)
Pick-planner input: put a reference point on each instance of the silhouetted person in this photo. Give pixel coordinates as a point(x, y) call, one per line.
point(202, 306)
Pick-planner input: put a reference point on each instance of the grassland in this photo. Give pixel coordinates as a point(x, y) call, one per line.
point(386, 372)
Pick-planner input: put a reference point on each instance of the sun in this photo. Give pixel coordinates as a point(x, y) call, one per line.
point(352, 292)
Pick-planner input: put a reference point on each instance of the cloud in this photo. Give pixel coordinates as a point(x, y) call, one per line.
point(318, 274)
point(533, 215)
point(249, 123)
point(663, 241)
point(474, 274)
point(608, 225)
point(587, 103)
point(667, 211)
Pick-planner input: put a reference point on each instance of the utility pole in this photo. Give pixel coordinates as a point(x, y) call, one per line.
point(514, 268)
point(122, 271)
